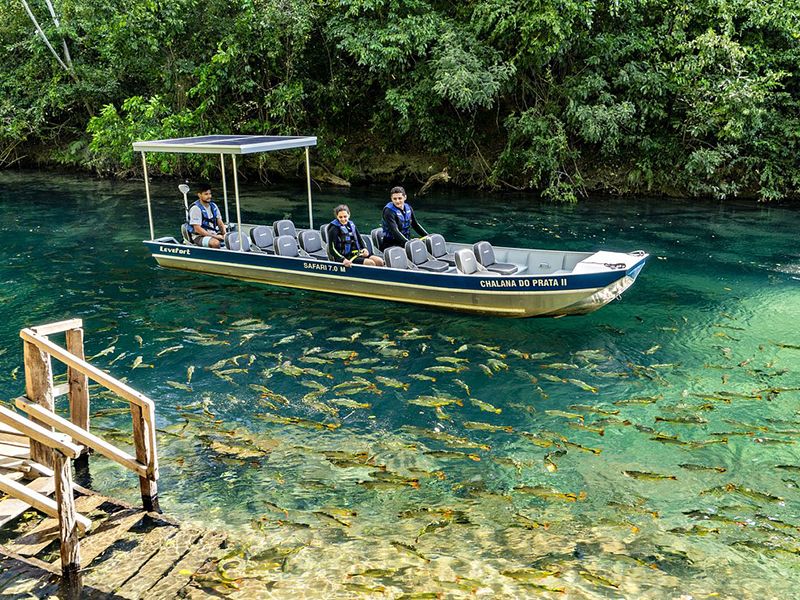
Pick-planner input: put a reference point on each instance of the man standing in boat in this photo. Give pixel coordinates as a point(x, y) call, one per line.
point(398, 219)
point(206, 226)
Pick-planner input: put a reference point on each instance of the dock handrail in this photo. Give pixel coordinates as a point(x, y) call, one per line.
point(39, 404)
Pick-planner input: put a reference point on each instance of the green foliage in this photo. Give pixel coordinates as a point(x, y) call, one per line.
point(635, 95)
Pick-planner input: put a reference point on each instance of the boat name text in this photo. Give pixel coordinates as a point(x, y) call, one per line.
point(512, 283)
point(173, 250)
point(323, 267)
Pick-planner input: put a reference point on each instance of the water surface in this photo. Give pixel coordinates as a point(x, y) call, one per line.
point(634, 452)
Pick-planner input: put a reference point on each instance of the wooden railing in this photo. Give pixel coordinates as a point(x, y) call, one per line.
point(51, 452)
point(39, 403)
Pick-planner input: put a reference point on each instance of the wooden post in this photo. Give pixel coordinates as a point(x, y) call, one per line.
point(78, 393)
point(71, 584)
point(39, 390)
point(147, 485)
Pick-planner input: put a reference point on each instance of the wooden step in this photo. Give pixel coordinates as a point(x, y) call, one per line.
point(11, 508)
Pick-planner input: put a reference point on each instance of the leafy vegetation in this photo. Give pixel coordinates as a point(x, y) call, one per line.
point(645, 96)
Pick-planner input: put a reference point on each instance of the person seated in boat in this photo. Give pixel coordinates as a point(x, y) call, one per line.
point(206, 227)
point(398, 220)
point(344, 242)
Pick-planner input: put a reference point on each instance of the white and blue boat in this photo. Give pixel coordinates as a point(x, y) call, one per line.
point(474, 278)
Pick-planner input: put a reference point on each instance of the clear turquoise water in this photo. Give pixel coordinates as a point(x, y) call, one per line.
point(710, 333)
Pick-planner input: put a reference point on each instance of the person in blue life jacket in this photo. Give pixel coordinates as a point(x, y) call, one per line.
point(398, 220)
point(206, 227)
point(344, 242)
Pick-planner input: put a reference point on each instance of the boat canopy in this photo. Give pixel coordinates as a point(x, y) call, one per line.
point(222, 145)
point(226, 144)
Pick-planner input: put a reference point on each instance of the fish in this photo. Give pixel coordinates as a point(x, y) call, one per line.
point(490, 350)
point(590, 428)
point(453, 360)
point(341, 354)
point(528, 574)
point(580, 447)
point(744, 491)
point(652, 350)
point(477, 425)
point(409, 549)
point(682, 420)
point(393, 352)
point(189, 373)
point(528, 523)
point(598, 579)
point(421, 377)
point(435, 401)
point(462, 385)
point(170, 349)
point(315, 360)
point(560, 366)
point(461, 348)
point(485, 406)
point(552, 378)
point(118, 357)
point(105, 352)
point(179, 386)
point(549, 494)
point(449, 454)
point(137, 362)
point(348, 403)
point(391, 382)
point(593, 409)
point(582, 385)
point(647, 475)
point(496, 365)
point(433, 526)
point(325, 516)
point(139, 340)
point(487, 371)
point(285, 340)
point(639, 400)
point(444, 369)
point(566, 415)
point(549, 460)
point(445, 438)
point(537, 440)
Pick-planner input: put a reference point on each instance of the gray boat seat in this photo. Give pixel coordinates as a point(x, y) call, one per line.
point(466, 262)
point(187, 239)
point(234, 241)
point(437, 248)
point(370, 248)
point(396, 258)
point(323, 233)
point(485, 255)
point(418, 255)
point(263, 239)
point(284, 227)
point(311, 242)
point(376, 235)
point(286, 245)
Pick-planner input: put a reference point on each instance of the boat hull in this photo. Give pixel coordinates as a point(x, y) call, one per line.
point(510, 296)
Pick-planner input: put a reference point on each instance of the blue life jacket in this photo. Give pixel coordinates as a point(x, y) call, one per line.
point(209, 220)
point(347, 236)
point(404, 216)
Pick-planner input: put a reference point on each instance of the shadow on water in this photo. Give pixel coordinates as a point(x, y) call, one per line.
point(646, 450)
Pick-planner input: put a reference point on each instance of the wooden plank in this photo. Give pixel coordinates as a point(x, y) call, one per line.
point(15, 439)
point(39, 389)
point(181, 574)
point(37, 539)
point(161, 563)
point(38, 501)
point(14, 450)
point(58, 327)
point(20, 579)
point(11, 508)
point(71, 579)
point(84, 437)
point(77, 382)
point(40, 433)
point(147, 486)
point(127, 559)
point(107, 532)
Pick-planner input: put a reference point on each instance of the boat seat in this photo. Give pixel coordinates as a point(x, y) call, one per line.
point(418, 255)
point(234, 241)
point(284, 227)
point(437, 248)
point(311, 242)
point(396, 258)
point(466, 262)
point(485, 255)
point(323, 233)
point(187, 239)
point(263, 239)
point(286, 245)
point(376, 235)
point(370, 248)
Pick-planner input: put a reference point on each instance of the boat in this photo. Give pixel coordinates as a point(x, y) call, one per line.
point(474, 278)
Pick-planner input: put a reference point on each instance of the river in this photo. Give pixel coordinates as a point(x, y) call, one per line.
point(648, 450)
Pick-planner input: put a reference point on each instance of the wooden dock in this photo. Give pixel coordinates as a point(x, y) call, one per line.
point(61, 539)
point(128, 553)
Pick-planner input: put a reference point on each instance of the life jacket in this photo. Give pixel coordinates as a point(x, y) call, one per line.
point(347, 237)
point(404, 216)
point(209, 220)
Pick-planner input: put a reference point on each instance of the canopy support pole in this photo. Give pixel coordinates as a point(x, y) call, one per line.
point(224, 187)
point(308, 181)
point(238, 211)
point(147, 193)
